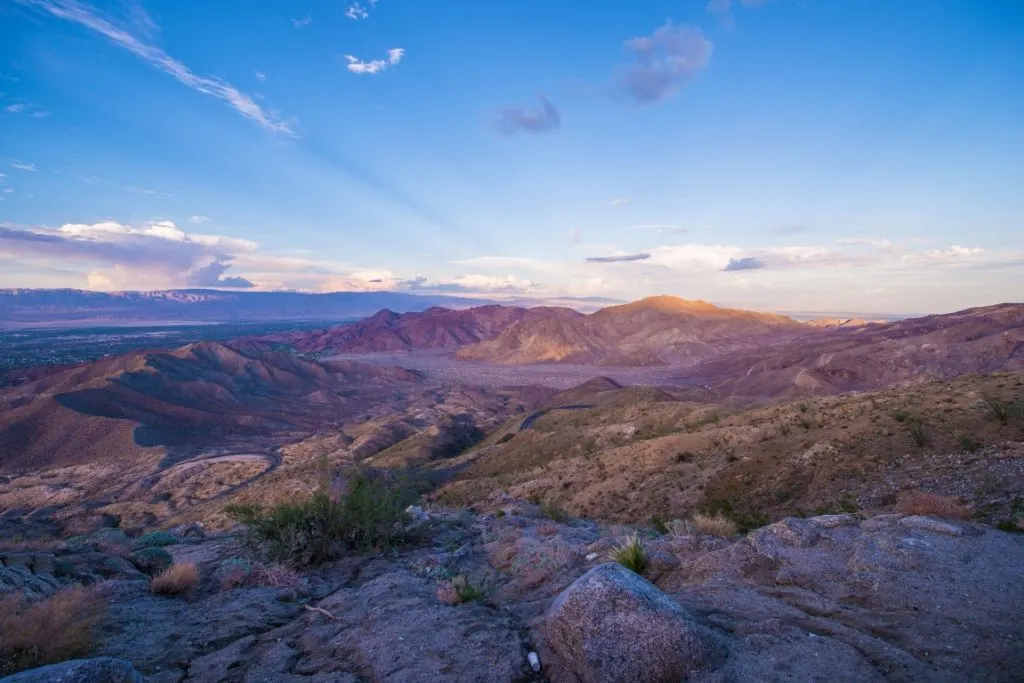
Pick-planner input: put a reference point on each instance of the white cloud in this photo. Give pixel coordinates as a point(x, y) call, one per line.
point(14, 108)
point(22, 165)
point(198, 219)
point(118, 254)
point(303, 22)
point(85, 15)
point(357, 11)
point(260, 76)
point(357, 66)
point(662, 62)
point(621, 201)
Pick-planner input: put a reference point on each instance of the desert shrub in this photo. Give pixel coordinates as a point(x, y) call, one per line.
point(155, 539)
point(714, 525)
point(314, 529)
point(631, 554)
point(1003, 411)
point(151, 560)
point(969, 444)
point(659, 525)
point(276, 576)
point(933, 504)
point(233, 573)
point(553, 512)
point(919, 434)
point(53, 630)
point(901, 416)
point(178, 579)
point(678, 528)
point(459, 590)
point(547, 529)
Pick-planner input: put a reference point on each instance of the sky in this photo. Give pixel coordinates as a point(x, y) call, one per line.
point(786, 155)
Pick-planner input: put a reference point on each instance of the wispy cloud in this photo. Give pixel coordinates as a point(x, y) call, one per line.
point(303, 22)
point(198, 219)
point(746, 263)
point(624, 258)
point(27, 108)
point(260, 76)
point(621, 201)
point(21, 165)
point(514, 120)
point(661, 228)
point(87, 16)
point(357, 11)
point(358, 66)
point(662, 62)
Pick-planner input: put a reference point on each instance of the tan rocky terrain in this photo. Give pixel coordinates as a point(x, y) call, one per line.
point(629, 453)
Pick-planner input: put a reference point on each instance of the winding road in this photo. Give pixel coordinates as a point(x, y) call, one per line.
point(532, 417)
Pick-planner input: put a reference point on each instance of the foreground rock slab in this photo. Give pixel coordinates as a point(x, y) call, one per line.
point(98, 670)
point(613, 626)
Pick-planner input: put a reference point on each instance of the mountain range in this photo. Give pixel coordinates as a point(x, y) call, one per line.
point(26, 307)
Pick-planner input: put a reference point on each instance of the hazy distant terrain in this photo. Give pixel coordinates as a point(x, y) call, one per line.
point(43, 307)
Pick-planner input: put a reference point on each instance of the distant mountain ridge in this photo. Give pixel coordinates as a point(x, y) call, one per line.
point(435, 328)
point(51, 306)
point(657, 330)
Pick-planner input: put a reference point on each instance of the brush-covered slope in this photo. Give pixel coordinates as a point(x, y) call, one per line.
point(435, 328)
point(629, 460)
point(87, 413)
point(653, 331)
point(938, 346)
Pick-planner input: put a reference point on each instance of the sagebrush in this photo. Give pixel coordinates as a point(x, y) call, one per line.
point(178, 579)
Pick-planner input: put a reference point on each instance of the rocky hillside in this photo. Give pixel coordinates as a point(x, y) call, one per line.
point(655, 331)
point(875, 356)
point(435, 328)
point(627, 453)
point(510, 596)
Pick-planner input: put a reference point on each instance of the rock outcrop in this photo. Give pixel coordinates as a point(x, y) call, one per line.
point(612, 626)
point(98, 670)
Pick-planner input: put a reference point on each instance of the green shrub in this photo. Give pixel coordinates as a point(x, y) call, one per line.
point(919, 434)
point(317, 528)
point(631, 554)
point(901, 416)
point(969, 444)
point(553, 512)
point(659, 525)
point(155, 539)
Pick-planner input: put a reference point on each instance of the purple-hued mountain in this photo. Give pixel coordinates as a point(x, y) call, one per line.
point(23, 307)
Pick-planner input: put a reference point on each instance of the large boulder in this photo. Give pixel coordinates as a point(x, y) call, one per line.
point(98, 670)
point(613, 626)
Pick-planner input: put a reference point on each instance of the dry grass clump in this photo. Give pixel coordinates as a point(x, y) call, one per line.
point(276, 576)
point(714, 525)
point(680, 528)
point(53, 630)
point(459, 590)
point(178, 579)
point(631, 554)
point(933, 504)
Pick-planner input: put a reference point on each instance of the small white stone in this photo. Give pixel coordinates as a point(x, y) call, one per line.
point(591, 557)
point(534, 661)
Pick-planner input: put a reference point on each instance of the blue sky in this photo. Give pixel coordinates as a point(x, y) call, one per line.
point(777, 154)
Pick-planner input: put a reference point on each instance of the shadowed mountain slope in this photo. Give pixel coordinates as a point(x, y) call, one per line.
point(83, 414)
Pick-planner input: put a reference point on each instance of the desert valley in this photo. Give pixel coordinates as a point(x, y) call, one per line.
point(529, 441)
point(369, 341)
